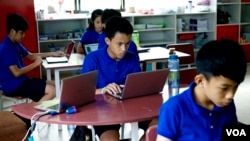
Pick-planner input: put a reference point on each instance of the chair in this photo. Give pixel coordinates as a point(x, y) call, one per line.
point(151, 133)
point(188, 48)
point(15, 100)
point(187, 76)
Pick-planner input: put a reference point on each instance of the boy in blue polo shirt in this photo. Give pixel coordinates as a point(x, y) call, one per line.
point(107, 14)
point(200, 112)
point(113, 63)
point(13, 79)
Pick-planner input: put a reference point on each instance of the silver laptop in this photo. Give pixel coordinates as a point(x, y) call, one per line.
point(75, 91)
point(51, 59)
point(143, 83)
point(90, 47)
point(63, 59)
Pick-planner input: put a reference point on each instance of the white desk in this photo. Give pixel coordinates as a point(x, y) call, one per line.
point(158, 54)
point(75, 62)
point(154, 55)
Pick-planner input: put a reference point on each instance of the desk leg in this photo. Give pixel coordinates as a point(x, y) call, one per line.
point(153, 65)
point(134, 131)
point(48, 74)
point(57, 83)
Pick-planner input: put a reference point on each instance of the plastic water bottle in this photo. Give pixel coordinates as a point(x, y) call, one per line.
point(135, 38)
point(174, 74)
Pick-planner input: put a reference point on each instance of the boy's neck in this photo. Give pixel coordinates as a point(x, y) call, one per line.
point(201, 99)
point(11, 38)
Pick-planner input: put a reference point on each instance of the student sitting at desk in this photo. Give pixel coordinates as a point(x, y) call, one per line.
point(200, 112)
point(113, 63)
point(93, 32)
point(108, 13)
point(13, 79)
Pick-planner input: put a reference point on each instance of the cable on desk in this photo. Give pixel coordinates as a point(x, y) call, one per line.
point(33, 124)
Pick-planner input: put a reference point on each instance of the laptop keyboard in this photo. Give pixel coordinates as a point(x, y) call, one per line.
point(54, 107)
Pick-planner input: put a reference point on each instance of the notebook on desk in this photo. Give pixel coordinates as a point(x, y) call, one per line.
point(143, 83)
point(75, 91)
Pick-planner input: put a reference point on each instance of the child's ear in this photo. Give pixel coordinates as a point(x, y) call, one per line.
point(199, 79)
point(13, 31)
point(107, 40)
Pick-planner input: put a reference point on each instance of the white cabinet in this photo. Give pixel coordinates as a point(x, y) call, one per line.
point(154, 29)
point(233, 9)
point(197, 28)
point(56, 34)
point(245, 23)
point(158, 29)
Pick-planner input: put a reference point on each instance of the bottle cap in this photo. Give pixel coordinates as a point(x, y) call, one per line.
point(171, 51)
point(173, 56)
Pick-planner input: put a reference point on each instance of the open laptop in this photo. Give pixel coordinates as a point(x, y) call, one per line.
point(143, 83)
point(75, 91)
point(63, 59)
point(90, 47)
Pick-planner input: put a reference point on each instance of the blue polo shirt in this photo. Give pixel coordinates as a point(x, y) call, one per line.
point(90, 36)
point(11, 54)
point(181, 119)
point(110, 70)
point(102, 44)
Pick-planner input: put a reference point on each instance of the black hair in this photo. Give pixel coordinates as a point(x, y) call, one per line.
point(222, 58)
point(16, 22)
point(108, 13)
point(96, 13)
point(118, 24)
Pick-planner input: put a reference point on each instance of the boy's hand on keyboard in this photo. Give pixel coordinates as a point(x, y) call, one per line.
point(113, 88)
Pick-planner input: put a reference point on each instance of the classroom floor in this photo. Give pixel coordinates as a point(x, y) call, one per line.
point(242, 101)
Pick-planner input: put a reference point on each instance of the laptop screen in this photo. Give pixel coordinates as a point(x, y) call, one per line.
point(90, 47)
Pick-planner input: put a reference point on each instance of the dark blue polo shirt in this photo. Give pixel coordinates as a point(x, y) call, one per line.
point(110, 70)
point(11, 54)
point(181, 119)
point(90, 36)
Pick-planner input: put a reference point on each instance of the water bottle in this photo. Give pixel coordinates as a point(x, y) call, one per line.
point(174, 75)
point(135, 38)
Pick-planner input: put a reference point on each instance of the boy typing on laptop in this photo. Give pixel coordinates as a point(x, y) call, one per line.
point(113, 63)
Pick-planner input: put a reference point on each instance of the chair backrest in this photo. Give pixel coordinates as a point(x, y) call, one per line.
point(70, 47)
point(186, 48)
point(187, 76)
point(151, 133)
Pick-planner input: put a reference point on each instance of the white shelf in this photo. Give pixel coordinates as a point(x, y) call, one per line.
point(155, 29)
point(58, 40)
point(205, 31)
point(147, 37)
point(228, 3)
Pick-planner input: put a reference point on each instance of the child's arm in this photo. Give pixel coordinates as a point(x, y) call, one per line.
point(32, 56)
point(79, 48)
point(21, 71)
